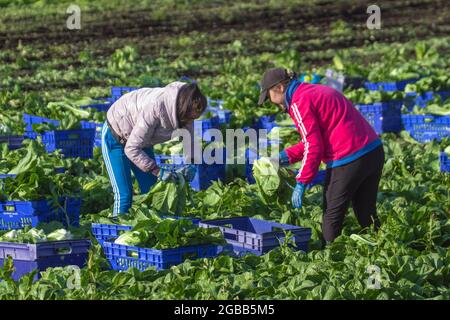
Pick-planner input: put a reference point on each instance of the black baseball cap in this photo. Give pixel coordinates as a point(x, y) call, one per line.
point(271, 78)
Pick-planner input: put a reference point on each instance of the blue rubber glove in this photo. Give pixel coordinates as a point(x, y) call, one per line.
point(188, 171)
point(167, 175)
point(283, 158)
point(297, 195)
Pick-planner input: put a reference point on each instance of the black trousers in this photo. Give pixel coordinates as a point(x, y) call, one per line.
point(355, 183)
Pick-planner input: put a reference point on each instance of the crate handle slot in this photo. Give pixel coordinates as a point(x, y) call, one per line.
point(74, 136)
point(190, 255)
point(63, 250)
point(9, 208)
point(230, 235)
point(132, 253)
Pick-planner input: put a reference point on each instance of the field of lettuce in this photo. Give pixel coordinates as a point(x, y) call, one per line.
point(51, 72)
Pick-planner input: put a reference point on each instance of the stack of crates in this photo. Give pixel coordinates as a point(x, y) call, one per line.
point(14, 142)
point(19, 214)
point(72, 143)
point(100, 107)
point(98, 131)
point(40, 256)
point(413, 98)
point(425, 128)
point(383, 116)
point(30, 120)
point(117, 92)
point(249, 235)
point(389, 86)
point(444, 162)
point(123, 257)
point(28, 257)
point(106, 232)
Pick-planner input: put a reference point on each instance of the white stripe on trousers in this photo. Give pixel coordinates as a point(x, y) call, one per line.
point(110, 172)
point(304, 133)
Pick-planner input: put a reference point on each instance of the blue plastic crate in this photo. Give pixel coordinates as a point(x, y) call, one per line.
point(223, 114)
point(389, 86)
point(216, 106)
point(187, 79)
point(249, 235)
point(40, 256)
point(57, 170)
point(201, 127)
point(425, 128)
point(265, 122)
point(117, 92)
point(413, 98)
point(108, 232)
point(14, 142)
point(444, 162)
point(445, 95)
point(73, 143)
point(98, 131)
point(123, 257)
point(249, 165)
point(18, 214)
point(104, 232)
point(383, 116)
point(100, 107)
point(216, 103)
point(268, 123)
point(110, 100)
point(31, 119)
point(205, 173)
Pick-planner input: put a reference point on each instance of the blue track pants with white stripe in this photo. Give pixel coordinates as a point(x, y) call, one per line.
point(119, 170)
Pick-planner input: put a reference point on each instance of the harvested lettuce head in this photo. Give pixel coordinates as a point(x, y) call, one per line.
point(131, 238)
point(59, 235)
point(170, 233)
point(272, 182)
point(168, 197)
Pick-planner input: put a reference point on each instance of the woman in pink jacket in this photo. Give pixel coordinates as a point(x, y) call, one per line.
point(335, 133)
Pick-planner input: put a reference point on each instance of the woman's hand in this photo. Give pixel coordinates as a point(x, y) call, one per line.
point(297, 195)
point(156, 172)
point(167, 175)
point(188, 171)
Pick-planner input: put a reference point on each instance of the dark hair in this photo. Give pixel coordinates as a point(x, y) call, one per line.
point(190, 101)
point(292, 75)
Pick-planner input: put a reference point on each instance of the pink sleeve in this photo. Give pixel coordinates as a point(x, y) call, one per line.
point(295, 152)
point(312, 139)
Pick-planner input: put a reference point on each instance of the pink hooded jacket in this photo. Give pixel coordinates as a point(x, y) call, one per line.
point(332, 130)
